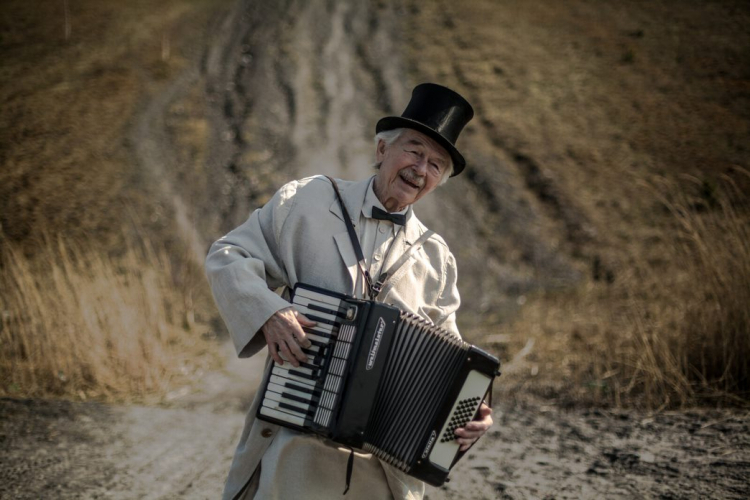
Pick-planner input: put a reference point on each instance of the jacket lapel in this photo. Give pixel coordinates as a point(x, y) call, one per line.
point(403, 243)
point(353, 195)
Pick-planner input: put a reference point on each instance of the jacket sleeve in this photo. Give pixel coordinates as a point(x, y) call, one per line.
point(244, 267)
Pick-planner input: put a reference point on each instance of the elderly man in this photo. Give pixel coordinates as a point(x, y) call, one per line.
point(300, 236)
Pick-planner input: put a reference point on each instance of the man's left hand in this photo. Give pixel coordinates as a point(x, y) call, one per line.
point(472, 431)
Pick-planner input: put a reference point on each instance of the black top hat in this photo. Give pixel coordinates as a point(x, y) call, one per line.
point(437, 112)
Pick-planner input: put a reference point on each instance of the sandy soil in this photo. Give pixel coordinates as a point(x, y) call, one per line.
point(286, 92)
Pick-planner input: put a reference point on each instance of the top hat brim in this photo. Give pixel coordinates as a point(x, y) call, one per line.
point(393, 122)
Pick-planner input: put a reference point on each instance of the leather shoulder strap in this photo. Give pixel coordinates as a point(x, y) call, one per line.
point(354, 239)
point(391, 271)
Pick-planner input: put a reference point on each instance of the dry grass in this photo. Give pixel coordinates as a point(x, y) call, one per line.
point(707, 355)
point(78, 323)
point(76, 320)
point(614, 103)
point(670, 332)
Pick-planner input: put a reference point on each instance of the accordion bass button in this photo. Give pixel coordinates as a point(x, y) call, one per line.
point(266, 433)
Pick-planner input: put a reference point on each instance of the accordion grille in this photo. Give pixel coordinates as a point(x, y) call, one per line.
point(423, 361)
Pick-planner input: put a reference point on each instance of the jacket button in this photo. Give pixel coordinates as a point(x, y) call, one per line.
point(266, 433)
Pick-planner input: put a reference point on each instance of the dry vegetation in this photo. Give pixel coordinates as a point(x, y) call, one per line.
point(632, 119)
point(626, 125)
point(655, 338)
point(78, 323)
point(91, 306)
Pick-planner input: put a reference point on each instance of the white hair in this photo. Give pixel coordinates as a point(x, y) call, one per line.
point(390, 136)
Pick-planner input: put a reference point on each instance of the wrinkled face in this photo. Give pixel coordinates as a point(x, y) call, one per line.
point(410, 167)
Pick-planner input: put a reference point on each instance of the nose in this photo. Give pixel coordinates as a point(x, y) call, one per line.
point(421, 165)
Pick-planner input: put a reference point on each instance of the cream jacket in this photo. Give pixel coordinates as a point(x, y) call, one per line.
point(300, 236)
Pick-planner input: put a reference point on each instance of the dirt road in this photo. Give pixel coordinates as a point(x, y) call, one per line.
point(288, 88)
point(183, 449)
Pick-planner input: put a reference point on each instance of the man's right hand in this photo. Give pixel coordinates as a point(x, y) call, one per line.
point(285, 337)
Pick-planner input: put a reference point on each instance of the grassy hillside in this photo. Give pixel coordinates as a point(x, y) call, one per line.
point(606, 187)
point(97, 300)
point(626, 124)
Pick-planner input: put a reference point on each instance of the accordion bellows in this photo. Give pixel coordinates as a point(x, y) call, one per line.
point(380, 380)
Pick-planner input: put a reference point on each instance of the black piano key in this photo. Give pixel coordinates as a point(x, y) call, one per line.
point(296, 409)
point(318, 333)
point(299, 399)
point(325, 321)
point(301, 388)
point(316, 307)
point(297, 373)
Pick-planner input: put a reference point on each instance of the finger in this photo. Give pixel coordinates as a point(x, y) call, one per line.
point(273, 351)
point(484, 410)
point(300, 335)
point(464, 447)
point(477, 425)
point(468, 434)
point(465, 444)
point(287, 353)
point(294, 346)
point(305, 321)
point(471, 433)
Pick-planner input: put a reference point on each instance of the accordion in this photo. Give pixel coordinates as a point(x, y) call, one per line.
point(380, 380)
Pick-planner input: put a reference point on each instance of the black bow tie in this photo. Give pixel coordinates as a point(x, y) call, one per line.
point(379, 214)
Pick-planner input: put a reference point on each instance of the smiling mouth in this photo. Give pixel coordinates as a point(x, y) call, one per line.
point(409, 183)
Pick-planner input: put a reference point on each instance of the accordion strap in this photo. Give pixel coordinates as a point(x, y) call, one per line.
point(391, 271)
point(355, 240)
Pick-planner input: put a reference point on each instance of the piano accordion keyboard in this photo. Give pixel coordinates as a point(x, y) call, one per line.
point(282, 400)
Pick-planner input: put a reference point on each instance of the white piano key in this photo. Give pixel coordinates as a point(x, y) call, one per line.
point(280, 380)
point(322, 325)
point(310, 358)
point(315, 350)
point(320, 328)
point(283, 416)
point(303, 408)
point(318, 297)
point(276, 405)
point(300, 369)
point(321, 339)
point(295, 415)
point(304, 303)
point(280, 371)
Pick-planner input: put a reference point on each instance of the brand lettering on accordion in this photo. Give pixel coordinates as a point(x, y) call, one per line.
point(375, 344)
point(427, 449)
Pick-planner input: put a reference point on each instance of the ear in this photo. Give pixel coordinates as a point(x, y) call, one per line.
point(380, 150)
